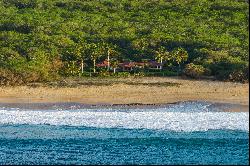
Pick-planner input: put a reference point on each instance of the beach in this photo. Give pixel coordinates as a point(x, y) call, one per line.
point(125, 121)
point(151, 90)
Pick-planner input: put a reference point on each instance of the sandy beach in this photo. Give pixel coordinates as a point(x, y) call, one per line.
point(152, 90)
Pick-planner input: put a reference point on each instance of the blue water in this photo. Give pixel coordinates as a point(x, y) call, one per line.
point(198, 135)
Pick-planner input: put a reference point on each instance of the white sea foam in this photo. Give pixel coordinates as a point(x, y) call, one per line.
point(151, 119)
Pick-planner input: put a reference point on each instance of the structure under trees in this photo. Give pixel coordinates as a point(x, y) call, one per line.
point(45, 39)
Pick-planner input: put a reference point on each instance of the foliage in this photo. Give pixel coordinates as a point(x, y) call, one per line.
point(163, 54)
point(139, 74)
point(194, 71)
point(44, 39)
point(104, 74)
point(9, 78)
point(122, 74)
point(180, 55)
point(228, 67)
point(239, 75)
point(161, 73)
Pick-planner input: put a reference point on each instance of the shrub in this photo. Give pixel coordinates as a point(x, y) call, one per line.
point(9, 78)
point(19, 70)
point(240, 75)
point(161, 73)
point(230, 68)
point(139, 74)
point(194, 71)
point(169, 73)
point(104, 74)
point(207, 72)
point(85, 74)
point(70, 68)
point(123, 74)
point(236, 76)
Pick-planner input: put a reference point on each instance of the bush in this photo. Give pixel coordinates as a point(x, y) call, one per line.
point(236, 76)
point(207, 72)
point(20, 71)
point(123, 74)
point(104, 74)
point(230, 68)
point(70, 69)
point(85, 74)
point(240, 75)
point(139, 74)
point(9, 78)
point(170, 73)
point(161, 73)
point(194, 71)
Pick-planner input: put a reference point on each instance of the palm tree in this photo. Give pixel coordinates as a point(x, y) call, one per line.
point(95, 52)
point(78, 51)
point(180, 55)
point(114, 65)
point(110, 51)
point(162, 54)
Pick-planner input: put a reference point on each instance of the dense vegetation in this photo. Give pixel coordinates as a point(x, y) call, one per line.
point(45, 39)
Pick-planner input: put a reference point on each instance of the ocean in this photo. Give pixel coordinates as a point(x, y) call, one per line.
point(183, 133)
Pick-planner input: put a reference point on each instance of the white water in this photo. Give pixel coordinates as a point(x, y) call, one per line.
point(160, 119)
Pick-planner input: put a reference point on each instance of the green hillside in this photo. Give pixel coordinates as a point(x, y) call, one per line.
point(44, 39)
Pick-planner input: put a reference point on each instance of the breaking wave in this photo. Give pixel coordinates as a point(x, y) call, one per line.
point(172, 118)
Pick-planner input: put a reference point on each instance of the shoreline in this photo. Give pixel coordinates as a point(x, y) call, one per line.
point(219, 107)
point(143, 91)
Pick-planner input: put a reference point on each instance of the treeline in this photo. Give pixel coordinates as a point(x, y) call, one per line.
point(44, 39)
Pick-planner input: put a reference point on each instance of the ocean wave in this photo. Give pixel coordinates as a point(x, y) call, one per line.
point(150, 119)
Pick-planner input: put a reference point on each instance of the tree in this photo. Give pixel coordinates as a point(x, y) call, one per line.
point(95, 52)
point(72, 55)
point(110, 51)
point(79, 53)
point(179, 56)
point(162, 54)
point(114, 65)
point(56, 27)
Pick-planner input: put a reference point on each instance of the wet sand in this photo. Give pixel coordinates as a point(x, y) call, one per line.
point(218, 107)
point(143, 91)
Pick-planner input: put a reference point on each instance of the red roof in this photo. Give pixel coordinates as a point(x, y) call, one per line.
point(102, 64)
point(154, 63)
point(127, 64)
point(140, 63)
point(131, 64)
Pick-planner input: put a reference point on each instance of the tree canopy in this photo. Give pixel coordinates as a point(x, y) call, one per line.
point(42, 38)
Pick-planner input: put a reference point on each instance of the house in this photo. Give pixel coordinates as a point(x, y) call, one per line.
point(130, 66)
point(103, 64)
point(140, 65)
point(127, 66)
point(155, 65)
